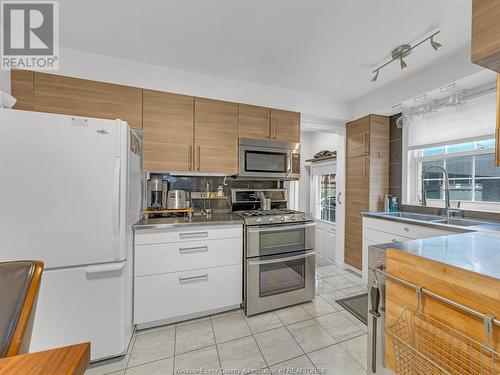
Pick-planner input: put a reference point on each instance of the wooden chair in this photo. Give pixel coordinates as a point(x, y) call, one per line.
point(19, 284)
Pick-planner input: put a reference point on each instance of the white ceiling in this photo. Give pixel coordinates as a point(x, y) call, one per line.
point(324, 48)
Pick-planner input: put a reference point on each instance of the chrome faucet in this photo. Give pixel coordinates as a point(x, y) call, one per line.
point(446, 188)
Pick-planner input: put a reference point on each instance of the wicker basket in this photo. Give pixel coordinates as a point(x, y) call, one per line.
point(423, 345)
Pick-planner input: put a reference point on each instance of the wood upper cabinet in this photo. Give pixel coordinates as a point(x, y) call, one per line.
point(22, 89)
point(285, 126)
point(498, 122)
point(254, 122)
point(358, 138)
point(168, 126)
point(485, 45)
point(82, 97)
point(215, 136)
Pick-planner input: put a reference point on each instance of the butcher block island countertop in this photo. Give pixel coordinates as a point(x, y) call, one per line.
point(464, 268)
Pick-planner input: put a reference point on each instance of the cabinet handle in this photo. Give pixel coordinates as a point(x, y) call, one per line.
point(338, 198)
point(364, 167)
point(190, 157)
point(193, 234)
point(276, 128)
point(365, 143)
point(189, 250)
point(406, 229)
point(199, 156)
point(270, 122)
point(203, 277)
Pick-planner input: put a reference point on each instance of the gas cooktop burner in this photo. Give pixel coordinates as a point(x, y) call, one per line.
point(253, 213)
point(258, 217)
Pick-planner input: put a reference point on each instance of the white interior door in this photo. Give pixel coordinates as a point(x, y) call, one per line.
point(59, 188)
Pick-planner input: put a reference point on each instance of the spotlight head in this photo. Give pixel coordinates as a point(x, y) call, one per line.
point(435, 44)
point(375, 76)
point(403, 64)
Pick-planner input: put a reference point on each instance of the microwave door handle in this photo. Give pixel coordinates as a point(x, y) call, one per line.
point(289, 165)
point(280, 227)
point(279, 260)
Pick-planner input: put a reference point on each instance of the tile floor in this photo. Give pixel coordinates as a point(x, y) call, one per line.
point(313, 337)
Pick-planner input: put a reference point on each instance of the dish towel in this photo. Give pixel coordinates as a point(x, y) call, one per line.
point(6, 100)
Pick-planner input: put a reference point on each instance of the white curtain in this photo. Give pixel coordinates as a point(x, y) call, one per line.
point(476, 118)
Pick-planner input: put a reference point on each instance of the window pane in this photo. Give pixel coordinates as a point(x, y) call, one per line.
point(485, 144)
point(487, 190)
point(433, 173)
point(461, 190)
point(328, 193)
point(461, 147)
point(485, 166)
point(459, 167)
point(433, 189)
point(434, 150)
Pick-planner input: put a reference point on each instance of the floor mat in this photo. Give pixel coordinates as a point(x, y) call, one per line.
point(356, 305)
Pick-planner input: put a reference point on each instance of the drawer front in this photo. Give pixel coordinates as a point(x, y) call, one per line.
point(187, 234)
point(181, 256)
point(402, 229)
point(171, 295)
point(381, 237)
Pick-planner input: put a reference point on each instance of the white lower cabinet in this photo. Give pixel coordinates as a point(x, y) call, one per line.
point(177, 279)
point(379, 231)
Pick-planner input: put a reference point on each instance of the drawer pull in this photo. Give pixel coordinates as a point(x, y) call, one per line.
point(183, 280)
point(189, 250)
point(406, 229)
point(193, 234)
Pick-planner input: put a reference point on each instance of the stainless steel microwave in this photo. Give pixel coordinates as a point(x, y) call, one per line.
point(259, 158)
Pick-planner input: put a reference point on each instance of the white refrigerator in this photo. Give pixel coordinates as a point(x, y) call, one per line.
point(70, 191)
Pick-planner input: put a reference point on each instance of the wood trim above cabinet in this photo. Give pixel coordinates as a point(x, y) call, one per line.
point(82, 97)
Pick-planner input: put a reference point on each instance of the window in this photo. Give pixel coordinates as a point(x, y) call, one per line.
point(473, 175)
point(324, 192)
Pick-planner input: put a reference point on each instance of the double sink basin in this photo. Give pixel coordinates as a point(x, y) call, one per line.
point(434, 219)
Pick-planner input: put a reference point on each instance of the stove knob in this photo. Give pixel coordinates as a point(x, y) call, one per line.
point(294, 218)
point(282, 218)
point(259, 220)
point(270, 219)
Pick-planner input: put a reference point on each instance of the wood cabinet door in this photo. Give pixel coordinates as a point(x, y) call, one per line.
point(82, 97)
point(358, 137)
point(356, 202)
point(21, 88)
point(168, 126)
point(485, 44)
point(285, 126)
point(215, 136)
point(254, 122)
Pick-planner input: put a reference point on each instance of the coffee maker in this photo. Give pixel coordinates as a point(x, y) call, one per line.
point(157, 194)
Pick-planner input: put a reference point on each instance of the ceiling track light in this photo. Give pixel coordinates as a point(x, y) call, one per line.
point(404, 50)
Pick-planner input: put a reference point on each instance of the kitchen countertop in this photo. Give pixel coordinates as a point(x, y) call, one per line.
point(169, 222)
point(485, 226)
point(477, 252)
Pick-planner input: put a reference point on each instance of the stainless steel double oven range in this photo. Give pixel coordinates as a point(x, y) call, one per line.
point(279, 252)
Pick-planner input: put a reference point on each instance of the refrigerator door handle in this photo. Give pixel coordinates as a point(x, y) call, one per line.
point(116, 199)
point(101, 268)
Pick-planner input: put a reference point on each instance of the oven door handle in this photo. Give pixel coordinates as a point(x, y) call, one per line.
point(279, 260)
point(278, 227)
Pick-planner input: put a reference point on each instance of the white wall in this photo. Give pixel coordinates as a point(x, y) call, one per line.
point(87, 65)
point(5, 81)
point(311, 143)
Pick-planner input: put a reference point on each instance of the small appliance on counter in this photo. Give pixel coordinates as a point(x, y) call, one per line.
point(157, 194)
point(176, 200)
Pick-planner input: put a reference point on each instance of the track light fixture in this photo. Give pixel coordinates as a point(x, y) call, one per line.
point(404, 50)
point(403, 64)
point(435, 44)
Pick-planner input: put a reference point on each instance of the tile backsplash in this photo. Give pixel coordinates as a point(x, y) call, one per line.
point(211, 183)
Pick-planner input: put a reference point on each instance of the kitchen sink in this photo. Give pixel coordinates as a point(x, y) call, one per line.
point(460, 222)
